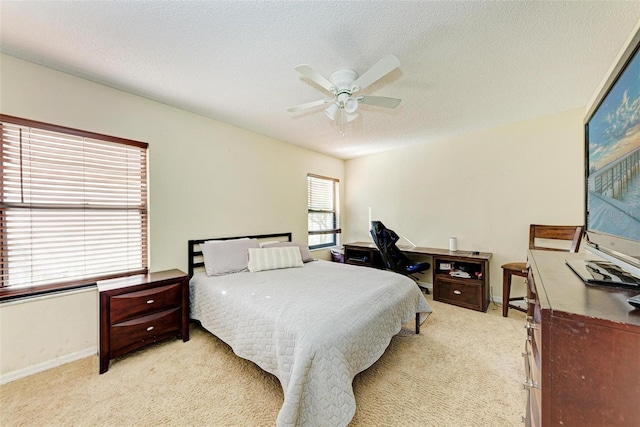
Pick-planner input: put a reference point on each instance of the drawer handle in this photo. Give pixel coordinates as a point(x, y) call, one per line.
point(531, 326)
point(150, 328)
point(150, 301)
point(457, 292)
point(529, 384)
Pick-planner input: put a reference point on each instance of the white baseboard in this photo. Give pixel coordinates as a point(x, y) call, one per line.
point(43, 366)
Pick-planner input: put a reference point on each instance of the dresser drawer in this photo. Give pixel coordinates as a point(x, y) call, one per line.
point(534, 329)
point(534, 409)
point(468, 295)
point(134, 304)
point(532, 384)
point(126, 336)
point(532, 362)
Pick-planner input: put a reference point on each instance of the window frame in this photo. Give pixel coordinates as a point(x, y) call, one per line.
point(335, 211)
point(29, 290)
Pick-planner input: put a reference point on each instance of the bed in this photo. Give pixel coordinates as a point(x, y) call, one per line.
point(314, 327)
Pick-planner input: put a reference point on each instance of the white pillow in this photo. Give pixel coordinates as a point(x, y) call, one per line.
point(226, 256)
point(274, 258)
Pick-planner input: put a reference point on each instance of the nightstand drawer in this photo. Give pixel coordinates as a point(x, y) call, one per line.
point(468, 295)
point(134, 304)
point(126, 336)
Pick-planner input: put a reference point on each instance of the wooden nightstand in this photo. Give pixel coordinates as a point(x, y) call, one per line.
point(139, 310)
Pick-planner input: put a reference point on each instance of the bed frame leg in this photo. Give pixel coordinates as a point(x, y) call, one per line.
point(417, 323)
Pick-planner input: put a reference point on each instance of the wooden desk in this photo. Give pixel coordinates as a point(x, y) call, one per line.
point(469, 292)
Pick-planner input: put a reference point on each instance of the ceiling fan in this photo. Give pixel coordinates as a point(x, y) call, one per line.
point(344, 84)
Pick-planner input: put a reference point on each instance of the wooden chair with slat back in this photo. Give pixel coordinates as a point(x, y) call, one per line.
point(539, 235)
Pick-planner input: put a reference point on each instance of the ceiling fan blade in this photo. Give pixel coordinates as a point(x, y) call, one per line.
point(309, 105)
point(375, 73)
point(312, 75)
point(380, 101)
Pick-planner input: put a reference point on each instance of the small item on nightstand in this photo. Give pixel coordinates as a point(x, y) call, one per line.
point(445, 266)
point(475, 253)
point(635, 301)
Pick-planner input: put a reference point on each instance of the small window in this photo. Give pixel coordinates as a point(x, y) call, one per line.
point(73, 207)
point(324, 211)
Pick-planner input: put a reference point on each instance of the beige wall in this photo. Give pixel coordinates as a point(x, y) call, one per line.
point(484, 188)
point(211, 179)
point(47, 331)
point(207, 179)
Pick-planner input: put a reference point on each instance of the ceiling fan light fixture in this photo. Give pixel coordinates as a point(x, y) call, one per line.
point(351, 105)
point(332, 110)
point(351, 116)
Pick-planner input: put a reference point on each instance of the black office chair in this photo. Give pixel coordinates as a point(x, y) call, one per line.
point(393, 257)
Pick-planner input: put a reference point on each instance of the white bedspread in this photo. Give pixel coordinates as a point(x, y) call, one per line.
point(314, 328)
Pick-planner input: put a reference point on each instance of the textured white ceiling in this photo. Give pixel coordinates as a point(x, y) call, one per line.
point(465, 66)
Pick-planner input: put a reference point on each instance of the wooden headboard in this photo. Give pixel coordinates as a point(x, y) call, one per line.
point(195, 254)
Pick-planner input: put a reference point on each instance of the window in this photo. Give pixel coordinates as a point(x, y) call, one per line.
point(73, 207)
point(324, 211)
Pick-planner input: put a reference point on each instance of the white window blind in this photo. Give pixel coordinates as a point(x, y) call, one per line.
point(73, 205)
point(323, 211)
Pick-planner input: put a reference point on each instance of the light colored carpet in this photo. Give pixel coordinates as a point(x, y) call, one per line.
point(464, 369)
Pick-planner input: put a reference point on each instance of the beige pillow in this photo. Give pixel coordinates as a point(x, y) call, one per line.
point(304, 249)
point(261, 259)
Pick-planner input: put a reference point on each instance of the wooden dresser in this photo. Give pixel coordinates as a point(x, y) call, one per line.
point(139, 310)
point(582, 348)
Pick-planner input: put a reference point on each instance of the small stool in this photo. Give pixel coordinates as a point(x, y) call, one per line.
point(508, 270)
